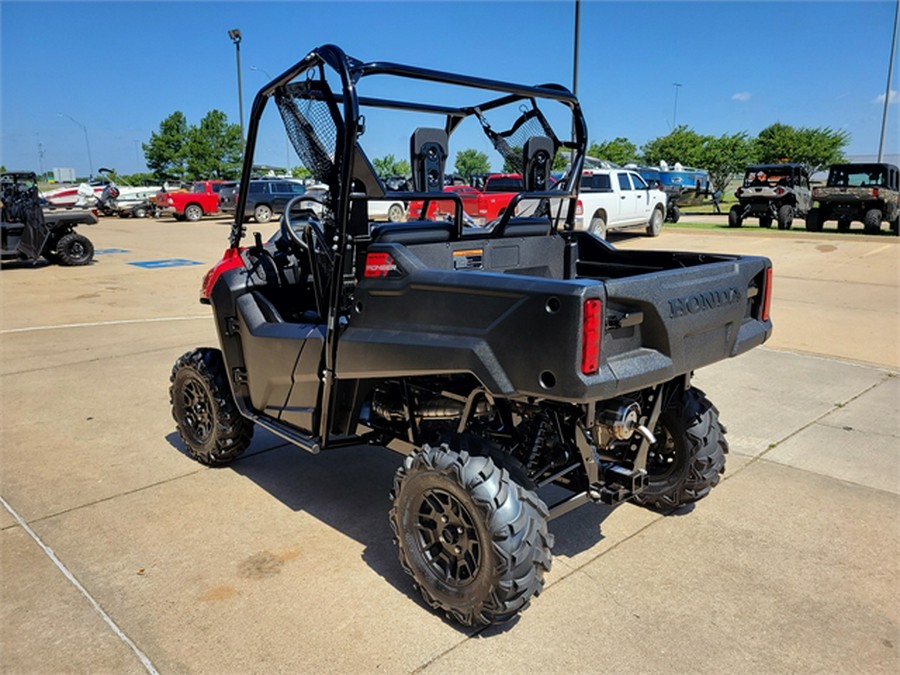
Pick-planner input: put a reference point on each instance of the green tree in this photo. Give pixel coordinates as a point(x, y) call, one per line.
point(680, 145)
point(213, 149)
point(300, 172)
point(470, 162)
point(388, 166)
point(724, 156)
point(815, 148)
point(164, 153)
point(619, 150)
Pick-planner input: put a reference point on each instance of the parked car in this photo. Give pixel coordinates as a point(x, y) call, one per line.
point(265, 197)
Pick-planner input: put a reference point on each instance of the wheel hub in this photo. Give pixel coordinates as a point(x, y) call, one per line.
point(448, 537)
point(197, 411)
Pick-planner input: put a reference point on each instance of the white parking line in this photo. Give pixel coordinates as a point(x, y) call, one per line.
point(145, 661)
point(121, 322)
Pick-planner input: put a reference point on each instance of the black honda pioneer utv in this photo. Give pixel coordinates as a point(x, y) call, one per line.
point(502, 360)
point(29, 231)
point(772, 192)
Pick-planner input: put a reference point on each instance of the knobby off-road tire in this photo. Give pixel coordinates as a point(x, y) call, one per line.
point(689, 454)
point(785, 217)
point(205, 413)
point(74, 250)
point(872, 221)
point(815, 220)
point(734, 216)
point(474, 541)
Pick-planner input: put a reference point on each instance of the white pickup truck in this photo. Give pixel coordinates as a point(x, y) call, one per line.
point(615, 199)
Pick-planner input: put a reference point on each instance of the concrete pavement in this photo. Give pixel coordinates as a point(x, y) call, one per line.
point(283, 562)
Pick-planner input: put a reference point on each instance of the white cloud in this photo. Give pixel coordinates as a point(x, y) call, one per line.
point(744, 96)
point(895, 97)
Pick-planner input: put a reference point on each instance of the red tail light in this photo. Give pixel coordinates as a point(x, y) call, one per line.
point(875, 192)
point(579, 208)
point(767, 296)
point(230, 260)
point(591, 325)
point(780, 191)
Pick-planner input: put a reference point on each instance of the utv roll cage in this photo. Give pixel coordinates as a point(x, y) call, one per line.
point(324, 128)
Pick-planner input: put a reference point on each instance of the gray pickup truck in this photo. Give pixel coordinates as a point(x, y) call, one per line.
point(523, 368)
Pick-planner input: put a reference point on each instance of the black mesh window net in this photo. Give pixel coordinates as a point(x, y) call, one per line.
point(510, 143)
point(311, 121)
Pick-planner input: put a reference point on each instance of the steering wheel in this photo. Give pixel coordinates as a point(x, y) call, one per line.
point(312, 227)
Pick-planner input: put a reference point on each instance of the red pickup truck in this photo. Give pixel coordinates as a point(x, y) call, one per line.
point(202, 199)
point(482, 205)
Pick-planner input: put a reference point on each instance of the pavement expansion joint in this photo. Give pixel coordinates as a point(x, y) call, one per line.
point(145, 661)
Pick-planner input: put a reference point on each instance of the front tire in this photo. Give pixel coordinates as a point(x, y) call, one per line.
point(734, 216)
point(654, 227)
point(205, 413)
point(474, 540)
point(689, 454)
point(74, 250)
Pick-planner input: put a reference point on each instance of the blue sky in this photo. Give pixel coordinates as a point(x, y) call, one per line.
point(120, 68)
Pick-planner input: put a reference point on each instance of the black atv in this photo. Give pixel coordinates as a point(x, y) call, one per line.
point(30, 230)
point(502, 360)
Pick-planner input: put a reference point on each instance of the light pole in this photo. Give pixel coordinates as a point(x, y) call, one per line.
point(87, 142)
point(235, 35)
point(287, 147)
point(677, 86)
point(887, 89)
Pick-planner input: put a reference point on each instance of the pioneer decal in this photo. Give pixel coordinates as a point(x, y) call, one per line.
point(701, 302)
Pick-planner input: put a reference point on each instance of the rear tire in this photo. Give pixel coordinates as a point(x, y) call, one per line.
point(872, 221)
point(689, 454)
point(765, 221)
point(474, 541)
point(206, 416)
point(654, 227)
point(193, 212)
point(734, 216)
point(674, 214)
point(74, 250)
point(395, 213)
point(598, 226)
point(785, 217)
point(814, 220)
point(262, 213)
